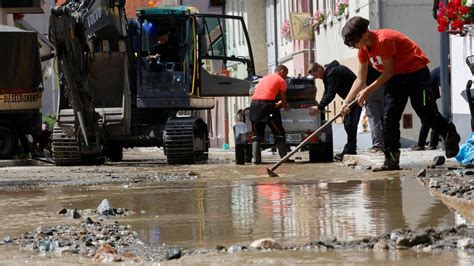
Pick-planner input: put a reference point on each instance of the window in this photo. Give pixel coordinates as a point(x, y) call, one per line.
point(216, 3)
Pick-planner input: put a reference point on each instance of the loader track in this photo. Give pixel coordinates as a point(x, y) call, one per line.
point(186, 141)
point(65, 148)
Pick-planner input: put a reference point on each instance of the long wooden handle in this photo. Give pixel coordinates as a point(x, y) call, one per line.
point(277, 164)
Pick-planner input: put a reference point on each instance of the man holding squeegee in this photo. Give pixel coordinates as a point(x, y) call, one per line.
point(405, 75)
point(337, 79)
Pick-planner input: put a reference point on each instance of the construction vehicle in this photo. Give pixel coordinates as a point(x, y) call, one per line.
point(20, 88)
point(114, 95)
point(297, 122)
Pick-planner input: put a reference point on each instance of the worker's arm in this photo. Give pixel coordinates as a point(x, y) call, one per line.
point(330, 91)
point(357, 86)
point(388, 71)
point(283, 103)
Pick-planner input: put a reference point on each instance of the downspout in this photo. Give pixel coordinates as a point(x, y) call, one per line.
point(275, 23)
point(444, 74)
point(311, 42)
point(226, 113)
point(379, 17)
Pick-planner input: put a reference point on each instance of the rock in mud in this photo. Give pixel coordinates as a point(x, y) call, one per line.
point(106, 254)
point(236, 248)
point(465, 243)
point(7, 240)
point(105, 208)
point(421, 173)
point(381, 245)
point(438, 160)
point(173, 253)
point(265, 243)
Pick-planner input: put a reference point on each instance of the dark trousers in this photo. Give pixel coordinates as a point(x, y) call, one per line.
point(434, 138)
point(350, 125)
point(275, 124)
point(413, 86)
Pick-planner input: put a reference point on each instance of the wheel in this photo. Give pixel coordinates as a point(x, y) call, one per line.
point(114, 152)
point(240, 154)
point(8, 143)
point(248, 153)
point(320, 152)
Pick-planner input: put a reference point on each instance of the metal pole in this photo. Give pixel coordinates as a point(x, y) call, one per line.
point(311, 42)
point(275, 40)
point(444, 73)
point(379, 15)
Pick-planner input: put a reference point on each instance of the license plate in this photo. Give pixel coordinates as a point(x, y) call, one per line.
point(290, 138)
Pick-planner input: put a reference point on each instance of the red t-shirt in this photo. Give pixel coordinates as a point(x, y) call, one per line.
point(269, 87)
point(406, 54)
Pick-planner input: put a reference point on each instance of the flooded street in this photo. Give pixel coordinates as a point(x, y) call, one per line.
point(231, 204)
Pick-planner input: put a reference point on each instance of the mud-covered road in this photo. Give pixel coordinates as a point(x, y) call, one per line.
point(209, 213)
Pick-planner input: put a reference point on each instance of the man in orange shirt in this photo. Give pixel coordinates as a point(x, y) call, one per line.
point(404, 72)
point(265, 110)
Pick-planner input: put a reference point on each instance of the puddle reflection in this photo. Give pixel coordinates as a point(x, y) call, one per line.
point(293, 213)
point(204, 214)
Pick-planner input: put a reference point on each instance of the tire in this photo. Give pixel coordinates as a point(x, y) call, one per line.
point(248, 153)
point(114, 153)
point(320, 152)
point(8, 143)
point(240, 154)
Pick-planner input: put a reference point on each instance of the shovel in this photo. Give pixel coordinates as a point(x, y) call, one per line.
point(277, 164)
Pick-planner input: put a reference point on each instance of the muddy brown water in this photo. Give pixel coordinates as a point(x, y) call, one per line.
point(217, 210)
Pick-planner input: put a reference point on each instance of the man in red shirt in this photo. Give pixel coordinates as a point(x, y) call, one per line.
point(265, 110)
point(404, 72)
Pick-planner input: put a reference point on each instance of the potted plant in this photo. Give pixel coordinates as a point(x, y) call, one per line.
point(454, 16)
point(341, 8)
point(286, 30)
point(319, 17)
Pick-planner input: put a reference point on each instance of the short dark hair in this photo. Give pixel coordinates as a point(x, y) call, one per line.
point(353, 30)
point(280, 68)
point(314, 67)
point(162, 32)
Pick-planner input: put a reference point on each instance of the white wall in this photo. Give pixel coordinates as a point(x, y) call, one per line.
point(461, 47)
point(253, 13)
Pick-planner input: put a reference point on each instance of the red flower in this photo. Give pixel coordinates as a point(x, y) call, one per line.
point(453, 16)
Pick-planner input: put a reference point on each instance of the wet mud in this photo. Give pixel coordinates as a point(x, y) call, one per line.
point(213, 212)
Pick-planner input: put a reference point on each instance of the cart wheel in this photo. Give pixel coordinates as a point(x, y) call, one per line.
point(8, 142)
point(320, 152)
point(248, 153)
point(240, 154)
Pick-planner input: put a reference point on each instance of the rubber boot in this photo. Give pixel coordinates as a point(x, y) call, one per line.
point(283, 150)
point(451, 141)
point(392, 161)
point(256, 152)
point(281, 146)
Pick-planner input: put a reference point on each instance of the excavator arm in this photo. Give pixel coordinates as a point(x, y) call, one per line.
point(80, 29)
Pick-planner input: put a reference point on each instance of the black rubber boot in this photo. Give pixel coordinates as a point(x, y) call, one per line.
point(256, 152)
point(451, 141)
point(283, 151)
point(392, 161)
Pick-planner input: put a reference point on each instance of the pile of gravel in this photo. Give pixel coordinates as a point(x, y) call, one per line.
point(88, 238)
point(458, 183)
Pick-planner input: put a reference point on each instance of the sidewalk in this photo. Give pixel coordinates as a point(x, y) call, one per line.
point(408, 159)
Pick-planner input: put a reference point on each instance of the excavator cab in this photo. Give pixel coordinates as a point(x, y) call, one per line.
point(185, 58)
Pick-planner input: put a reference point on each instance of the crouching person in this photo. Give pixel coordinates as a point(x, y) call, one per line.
point(265, 110)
